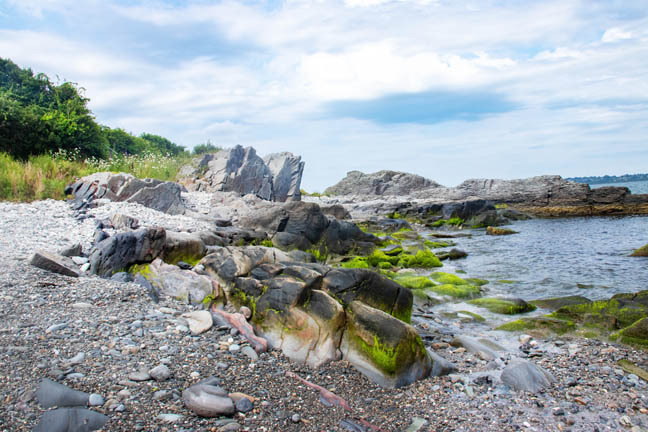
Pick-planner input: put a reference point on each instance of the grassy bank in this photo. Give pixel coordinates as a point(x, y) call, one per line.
point(45, 176)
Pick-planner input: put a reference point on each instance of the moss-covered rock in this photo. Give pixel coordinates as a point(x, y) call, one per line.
point(183, 246)
point(448, 278)
point(503, 305)
point(464, 316)
point(636, 334)
point(558, 302)
point(539, 325)
point(618, 312)
point(641, 252)
point(457, 291)
point(476, 281)
point(356, 262)
point(438, 244)
point(413, 282)
point(491, 230)
point(387, 350)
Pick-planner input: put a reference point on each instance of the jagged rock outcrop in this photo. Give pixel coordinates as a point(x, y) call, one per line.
point(155, 194)
point(287, 170)
point(380, 183)
point(120, 251)
point(277, 177)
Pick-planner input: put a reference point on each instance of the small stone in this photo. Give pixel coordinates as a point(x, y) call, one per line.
point(208, 401)
point(199, 321)
point(296, 418)
point(416, 425)
point(55, 327)
point(96, 400)
point(250, 353)
point(234, 348)
point(170, 418)
point(625, 421)
point(160, 373)
point(79, 260)
point(77, 359)
point(139, 376)
point(244, 405)
point(120, 408)
point(74, 376)
point(85, 267)
point(81, 305)
point(123, 394)
point(194, 375)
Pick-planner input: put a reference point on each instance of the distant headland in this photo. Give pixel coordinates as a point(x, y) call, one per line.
point(610, 179)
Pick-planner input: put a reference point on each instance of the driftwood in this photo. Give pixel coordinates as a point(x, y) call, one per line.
point(239, 322)
point(326, 395)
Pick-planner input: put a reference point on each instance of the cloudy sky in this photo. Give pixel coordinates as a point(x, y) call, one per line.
point(448, 89)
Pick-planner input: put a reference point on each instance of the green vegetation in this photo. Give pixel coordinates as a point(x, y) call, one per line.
point(503, 306)
point(542, 325)
point(356, 262)
point(641, 252)
point(207, 147)
point(448, 278)
point(456, 291)
point(438, 244)
point(49, 137)
point(455, 221)
point(501, 206)
point(413, 282)
point(40, 117)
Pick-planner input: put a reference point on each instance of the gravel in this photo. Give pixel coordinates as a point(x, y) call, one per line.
point(119, 331)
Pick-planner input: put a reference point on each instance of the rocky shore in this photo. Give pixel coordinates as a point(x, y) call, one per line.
point(140, 305)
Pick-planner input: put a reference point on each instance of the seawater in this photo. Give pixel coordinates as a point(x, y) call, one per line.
point(636, 187)
point(559, 257)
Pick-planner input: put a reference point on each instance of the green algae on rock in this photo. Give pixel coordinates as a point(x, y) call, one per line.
point(635, 334)
point(491, 230)
point(413, 282)
point(503, 305)
point(541, 325)
point(641, 252)
point(558, 302)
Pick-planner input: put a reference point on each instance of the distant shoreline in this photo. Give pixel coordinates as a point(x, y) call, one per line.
point(609, 179)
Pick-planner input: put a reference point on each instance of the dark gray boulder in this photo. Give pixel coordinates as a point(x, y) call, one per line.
point(118, 252)
point(51, 394)
point(71, 420)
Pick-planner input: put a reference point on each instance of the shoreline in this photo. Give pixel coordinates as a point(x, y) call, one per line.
point(452, 402)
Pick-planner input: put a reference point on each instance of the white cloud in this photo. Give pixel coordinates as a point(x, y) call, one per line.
point(615, 34)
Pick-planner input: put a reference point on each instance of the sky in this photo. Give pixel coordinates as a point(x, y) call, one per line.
point(447, 89)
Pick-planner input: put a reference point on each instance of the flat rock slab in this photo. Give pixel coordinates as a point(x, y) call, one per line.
point(71, 420)
point(523, 375)
point(199, 321)
point(51, 394)
point(208, 401)
point(54, 263)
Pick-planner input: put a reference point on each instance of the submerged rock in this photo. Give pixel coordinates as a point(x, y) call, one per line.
point(499, 231)
point(641, 252)
point(503, 305)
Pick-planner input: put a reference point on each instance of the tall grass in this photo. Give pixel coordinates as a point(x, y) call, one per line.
point(46, 176)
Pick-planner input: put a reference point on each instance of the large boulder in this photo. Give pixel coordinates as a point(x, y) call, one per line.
point(155, 194)
point(380, 183)
point(228, 263)
point(183, 246)
point(120, 251)
point(171, 281)
point(385, 349)
point(287, 170)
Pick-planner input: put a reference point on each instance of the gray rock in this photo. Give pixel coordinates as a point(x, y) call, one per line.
point(124, 222)
point(160, 373)
point(475, 346)
point(250, 353)
point(122, 277)
point(170, 418)
point(526, 376)
point(79, 260)
point(244, 405)
point(286, 170)
point(55, 327)
point(208, 401)
point(71, 420)
point(139, 376)
point(54, 263)
point(51, 394)
point(199, 321)
point(380, 183)
point(96, 400)
point(440, 366)
point(73, 250)
point(416, 425)
point(121, 250)
point(169, 280)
